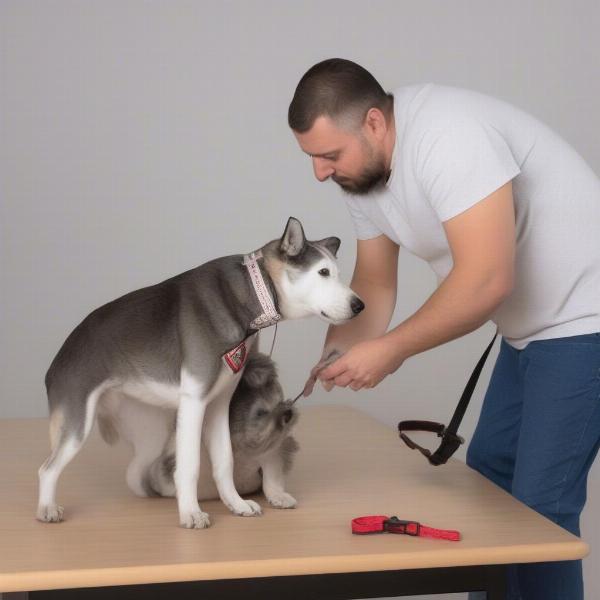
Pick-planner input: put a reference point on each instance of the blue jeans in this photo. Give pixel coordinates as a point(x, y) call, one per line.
point(537, 437)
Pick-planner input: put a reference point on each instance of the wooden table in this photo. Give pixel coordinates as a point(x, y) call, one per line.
point(349, 465)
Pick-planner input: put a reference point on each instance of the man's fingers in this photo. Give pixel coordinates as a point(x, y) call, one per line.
point(343, 380)
point(332, 371)
point(328, 384)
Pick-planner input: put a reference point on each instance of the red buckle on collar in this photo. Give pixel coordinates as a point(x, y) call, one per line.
point(383, 523)
point(395, 525)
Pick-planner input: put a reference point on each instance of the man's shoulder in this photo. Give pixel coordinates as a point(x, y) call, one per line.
point(423, 114)
point(431, 105)
point(431, 91)
point(431, 113)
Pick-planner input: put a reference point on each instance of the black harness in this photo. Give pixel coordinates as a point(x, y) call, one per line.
point(451, 441)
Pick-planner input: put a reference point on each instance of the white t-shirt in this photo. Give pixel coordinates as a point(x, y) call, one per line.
point(453, 148)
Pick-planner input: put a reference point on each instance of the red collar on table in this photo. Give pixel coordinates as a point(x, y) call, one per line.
point(380, 523)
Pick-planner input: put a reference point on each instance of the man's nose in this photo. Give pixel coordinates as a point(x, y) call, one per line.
point(321, 169)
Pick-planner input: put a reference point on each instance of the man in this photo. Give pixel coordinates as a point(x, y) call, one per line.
point(507, 214)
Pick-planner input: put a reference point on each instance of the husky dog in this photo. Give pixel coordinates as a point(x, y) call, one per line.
point(183, 344)
point(260, 421)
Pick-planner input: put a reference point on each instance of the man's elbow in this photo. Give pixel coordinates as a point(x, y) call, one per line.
point(500, 287)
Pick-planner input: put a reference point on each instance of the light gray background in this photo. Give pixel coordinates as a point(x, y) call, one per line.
point(140, 139)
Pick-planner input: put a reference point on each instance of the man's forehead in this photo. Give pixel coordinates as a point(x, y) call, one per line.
point(324, 137)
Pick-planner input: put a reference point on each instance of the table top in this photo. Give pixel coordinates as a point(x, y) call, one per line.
point(349, 465)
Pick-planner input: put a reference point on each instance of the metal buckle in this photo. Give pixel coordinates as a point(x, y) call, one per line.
point(396, 525)
point(451, 437)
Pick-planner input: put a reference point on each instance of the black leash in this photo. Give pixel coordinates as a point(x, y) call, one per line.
point(451, 441)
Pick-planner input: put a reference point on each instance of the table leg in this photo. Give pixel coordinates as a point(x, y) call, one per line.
point(496, 583)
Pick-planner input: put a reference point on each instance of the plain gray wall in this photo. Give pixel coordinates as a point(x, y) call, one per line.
point(139, 139)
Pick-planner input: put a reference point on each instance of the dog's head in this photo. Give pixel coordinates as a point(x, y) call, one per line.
point(260, 417)
point(306, 277)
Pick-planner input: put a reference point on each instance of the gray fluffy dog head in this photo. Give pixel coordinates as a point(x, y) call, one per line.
point(259, 416)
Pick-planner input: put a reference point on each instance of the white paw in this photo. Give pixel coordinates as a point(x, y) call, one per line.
point(194, 520)
point(248, 508)
point(51, 513)
point(282, 500)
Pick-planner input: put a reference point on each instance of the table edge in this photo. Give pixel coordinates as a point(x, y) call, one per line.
point(317, 565)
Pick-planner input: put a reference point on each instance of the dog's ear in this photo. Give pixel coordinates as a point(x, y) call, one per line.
point(293, 239)
point(331, 243)
point(260, 371)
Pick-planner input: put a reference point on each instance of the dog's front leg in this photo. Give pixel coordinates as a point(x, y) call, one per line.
point(218, 443)
point(190, 415)
point(274, 482)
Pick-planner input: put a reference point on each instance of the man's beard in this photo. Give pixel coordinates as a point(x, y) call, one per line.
point(372, 178)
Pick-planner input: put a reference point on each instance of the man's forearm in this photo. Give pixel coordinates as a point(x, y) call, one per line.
point(458, 306)
point(372, 322)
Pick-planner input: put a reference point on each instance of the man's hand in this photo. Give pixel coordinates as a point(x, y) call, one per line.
point(329, 358)
point(363, 366)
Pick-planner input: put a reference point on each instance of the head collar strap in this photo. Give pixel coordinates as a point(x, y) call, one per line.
point(451, 441)
point(269, 316)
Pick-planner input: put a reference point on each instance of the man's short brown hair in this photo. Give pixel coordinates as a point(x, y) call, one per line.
point(339, 89)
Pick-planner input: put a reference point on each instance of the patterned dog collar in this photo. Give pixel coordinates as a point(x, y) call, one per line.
point(269, 316)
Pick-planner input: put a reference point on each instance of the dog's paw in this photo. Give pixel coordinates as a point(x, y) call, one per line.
point(195, 520)
point(50, 513)
point(248, 508)
point(282, 500)
point(255, 506)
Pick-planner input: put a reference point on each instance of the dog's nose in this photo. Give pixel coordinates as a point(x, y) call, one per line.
point(287, 415)
point(356, 305)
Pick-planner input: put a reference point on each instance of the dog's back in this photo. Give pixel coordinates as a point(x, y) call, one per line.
point(118, 340)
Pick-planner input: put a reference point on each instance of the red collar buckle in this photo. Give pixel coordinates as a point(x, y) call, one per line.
point(396, 525)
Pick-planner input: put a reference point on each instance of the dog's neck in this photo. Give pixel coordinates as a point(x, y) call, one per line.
point(264, 290)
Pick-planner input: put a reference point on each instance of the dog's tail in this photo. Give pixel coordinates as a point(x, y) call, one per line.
point(107, 426)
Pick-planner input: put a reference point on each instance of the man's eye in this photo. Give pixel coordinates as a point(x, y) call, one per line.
point(324, 272)
point(331, 157)
point(261, 412)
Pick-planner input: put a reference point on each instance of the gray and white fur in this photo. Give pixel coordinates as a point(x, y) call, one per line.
point(260, 422)
point(161, 347)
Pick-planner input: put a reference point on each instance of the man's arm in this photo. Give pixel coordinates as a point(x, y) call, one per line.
point(375, 281)
point(482, 241)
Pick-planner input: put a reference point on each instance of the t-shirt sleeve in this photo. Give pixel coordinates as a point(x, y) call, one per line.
point(364, 227)
point(461, 163)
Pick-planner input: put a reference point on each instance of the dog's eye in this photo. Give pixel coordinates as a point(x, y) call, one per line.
point(324, 272)
point(261, 412)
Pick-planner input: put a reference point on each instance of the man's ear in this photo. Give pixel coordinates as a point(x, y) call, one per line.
point(331, 243)
point(376, 123)
point(293, 239)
